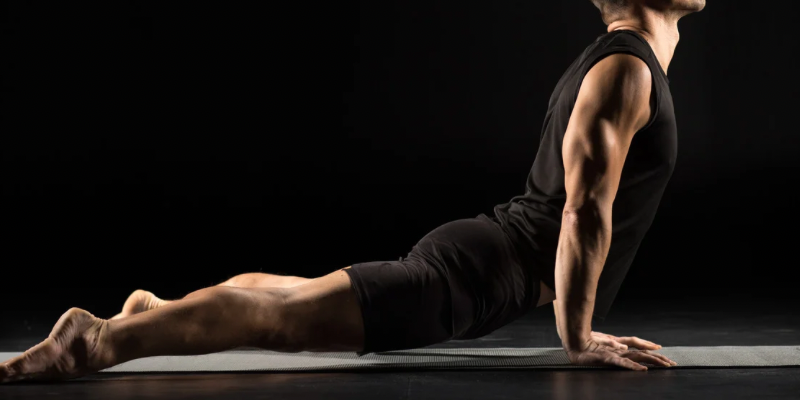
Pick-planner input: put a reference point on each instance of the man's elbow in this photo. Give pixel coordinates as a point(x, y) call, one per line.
point(586, 211)
point(590, 217)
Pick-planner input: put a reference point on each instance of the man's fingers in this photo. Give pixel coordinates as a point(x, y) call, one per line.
point(625, 363)
point(661, 356)
point(616, 345)
point(605, 336)
point(648, 358)
point(614, 359)
point(610, 343)
point(608, 340)
point(633, 341)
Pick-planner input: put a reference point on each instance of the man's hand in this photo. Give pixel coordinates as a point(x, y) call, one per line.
point(613, 341)
point(623, 343)
point(593, 353)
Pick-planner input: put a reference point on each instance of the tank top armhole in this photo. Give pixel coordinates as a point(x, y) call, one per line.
point(604, 300)
point(655, 94)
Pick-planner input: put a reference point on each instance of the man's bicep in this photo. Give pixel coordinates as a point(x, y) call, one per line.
point(612, 105)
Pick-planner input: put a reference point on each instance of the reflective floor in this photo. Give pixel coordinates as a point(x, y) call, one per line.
point(691, 324)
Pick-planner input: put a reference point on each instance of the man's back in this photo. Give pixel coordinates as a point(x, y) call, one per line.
point(533, 220)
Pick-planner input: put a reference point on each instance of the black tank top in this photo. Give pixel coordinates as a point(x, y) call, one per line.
point(533, 220)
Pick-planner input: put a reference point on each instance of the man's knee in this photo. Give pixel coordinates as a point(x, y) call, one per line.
point(320, 316)
point(271, 320)
point(315, 318)
point(287, 322)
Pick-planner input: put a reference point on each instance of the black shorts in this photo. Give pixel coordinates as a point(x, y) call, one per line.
point(463, 280)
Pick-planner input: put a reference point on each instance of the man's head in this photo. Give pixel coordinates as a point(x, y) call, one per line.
point(613, 10)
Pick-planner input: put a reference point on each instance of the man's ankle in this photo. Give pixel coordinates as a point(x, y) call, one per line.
point(102, 355)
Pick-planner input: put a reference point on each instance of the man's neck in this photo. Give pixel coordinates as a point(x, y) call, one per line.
point(659, 30)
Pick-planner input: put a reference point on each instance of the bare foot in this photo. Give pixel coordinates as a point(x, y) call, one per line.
point(140, 301)
point(75, 347)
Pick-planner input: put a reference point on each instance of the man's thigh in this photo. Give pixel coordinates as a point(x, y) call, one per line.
point(488, 284)
point(405, 304)
point(324, 315)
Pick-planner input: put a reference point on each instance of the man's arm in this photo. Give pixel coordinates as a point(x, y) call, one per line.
point(616, 342)
point(612, 105)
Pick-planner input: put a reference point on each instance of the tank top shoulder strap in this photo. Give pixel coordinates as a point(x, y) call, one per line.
point(625, 42)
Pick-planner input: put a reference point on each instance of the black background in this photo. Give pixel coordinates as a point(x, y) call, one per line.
point(172, 145)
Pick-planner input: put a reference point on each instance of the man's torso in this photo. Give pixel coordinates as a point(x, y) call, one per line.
point(533, 220)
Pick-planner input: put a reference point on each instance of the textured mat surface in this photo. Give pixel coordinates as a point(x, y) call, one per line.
point(257, 360)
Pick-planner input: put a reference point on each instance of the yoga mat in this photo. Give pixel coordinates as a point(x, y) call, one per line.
point(444, 359)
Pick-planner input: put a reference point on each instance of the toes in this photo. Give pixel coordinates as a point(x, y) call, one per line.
point(15, 368)
point(64, 354)
point(5, 373)
point(158, 302)
point(140, 294)
point(8, 375)
point(140, 301)
point(137, 302)
point(31, 363)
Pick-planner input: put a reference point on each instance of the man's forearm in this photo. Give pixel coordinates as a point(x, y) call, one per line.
point(582, 250)
point(555, 312)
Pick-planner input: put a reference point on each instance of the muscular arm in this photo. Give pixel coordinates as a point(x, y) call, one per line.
point(612, 105)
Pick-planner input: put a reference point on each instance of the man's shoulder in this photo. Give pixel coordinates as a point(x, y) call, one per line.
point(618, 67)
point(618, 88)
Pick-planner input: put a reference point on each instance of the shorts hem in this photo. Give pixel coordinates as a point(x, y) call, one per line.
point(356, 285)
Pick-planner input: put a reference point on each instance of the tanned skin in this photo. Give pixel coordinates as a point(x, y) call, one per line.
point(295, 314)
point(612, 105)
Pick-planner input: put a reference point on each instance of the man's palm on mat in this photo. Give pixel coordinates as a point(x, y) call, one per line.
point(607, 350)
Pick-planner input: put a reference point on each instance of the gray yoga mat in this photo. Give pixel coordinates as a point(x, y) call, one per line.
point(507, 358)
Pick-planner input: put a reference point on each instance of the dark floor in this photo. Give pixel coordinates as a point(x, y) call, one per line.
point(691, 323)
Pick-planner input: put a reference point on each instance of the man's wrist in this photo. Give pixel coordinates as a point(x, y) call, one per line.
point(573, 342)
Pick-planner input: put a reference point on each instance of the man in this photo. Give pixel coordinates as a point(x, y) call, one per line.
point(607, 151)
